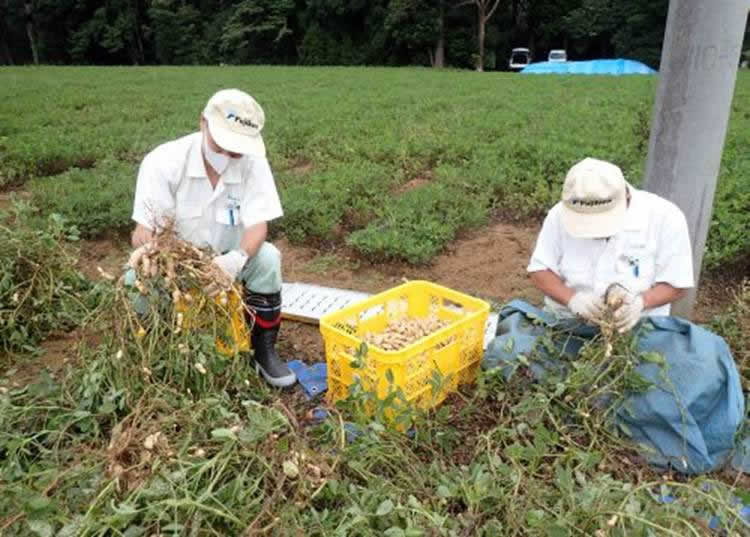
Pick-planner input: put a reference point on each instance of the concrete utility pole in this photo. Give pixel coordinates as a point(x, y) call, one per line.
point(702, 47)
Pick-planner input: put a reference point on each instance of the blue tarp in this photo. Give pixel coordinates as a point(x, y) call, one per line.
point(688, 419)
point(313, 379)
point(591, 67)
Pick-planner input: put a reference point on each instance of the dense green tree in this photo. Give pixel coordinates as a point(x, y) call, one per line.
point(416, 25)
point(5, 55)
point(632, 28)
point(255, 30)
point(546, 24)
point(592, 25)
point(113, 34)
point(459, 33)
point(485, 10)
point(345, 32)
point(28, 10)
point(640, 33)
point(176, 32)
point(41, 28)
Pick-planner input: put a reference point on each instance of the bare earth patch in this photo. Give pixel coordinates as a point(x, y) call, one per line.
point(110, 254)
point(7, 198)
point(302, 166)
point(413, 184)
point(488, 263)
point(56, 165)
point(57, 351)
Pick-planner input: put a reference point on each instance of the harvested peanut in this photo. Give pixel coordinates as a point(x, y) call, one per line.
point(402, 333)
point(146, 265)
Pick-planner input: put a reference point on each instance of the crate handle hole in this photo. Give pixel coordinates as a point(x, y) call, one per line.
point(453, 306)
point(370, 312)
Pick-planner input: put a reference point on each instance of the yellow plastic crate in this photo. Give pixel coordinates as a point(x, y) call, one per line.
point(454, 351)
point(233, 337)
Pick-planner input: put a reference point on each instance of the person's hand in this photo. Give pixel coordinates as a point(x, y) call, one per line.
point(231, 263)
point(627, 315)
point(228, 267)
point(587, 305)
point(141, 235)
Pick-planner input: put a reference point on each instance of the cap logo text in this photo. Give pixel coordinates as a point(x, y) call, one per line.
point(242, 121)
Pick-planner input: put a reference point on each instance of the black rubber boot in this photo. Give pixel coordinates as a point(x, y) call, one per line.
point(263, 336)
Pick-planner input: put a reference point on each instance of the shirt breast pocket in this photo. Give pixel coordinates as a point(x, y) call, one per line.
point(229, 228)
point(229, 215)
point(637, 265)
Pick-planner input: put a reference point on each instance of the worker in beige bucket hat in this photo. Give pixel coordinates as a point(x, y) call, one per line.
point(603, 232)
point(217, 188)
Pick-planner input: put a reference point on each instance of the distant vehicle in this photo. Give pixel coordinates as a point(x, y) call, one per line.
point(557, 55)
point(519, 58)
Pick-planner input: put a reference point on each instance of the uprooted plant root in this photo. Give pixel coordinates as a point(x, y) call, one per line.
point(177, 279)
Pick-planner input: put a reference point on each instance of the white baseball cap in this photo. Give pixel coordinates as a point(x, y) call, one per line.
point(235, 120)
point(594, 199)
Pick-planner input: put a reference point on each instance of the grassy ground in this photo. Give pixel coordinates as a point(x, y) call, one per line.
point(153, 433)
point(393, 162)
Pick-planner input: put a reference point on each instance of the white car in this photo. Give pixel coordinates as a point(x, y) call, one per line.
point(557, 55)
point(519, 58)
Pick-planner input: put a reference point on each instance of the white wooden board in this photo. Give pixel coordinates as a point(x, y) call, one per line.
point(308, 303)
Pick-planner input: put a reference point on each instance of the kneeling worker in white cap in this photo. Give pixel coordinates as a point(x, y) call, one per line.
point(216, 186)
point(605, 232)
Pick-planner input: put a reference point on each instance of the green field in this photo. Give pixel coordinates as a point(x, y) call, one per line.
point(342, 141)
point(145, 433)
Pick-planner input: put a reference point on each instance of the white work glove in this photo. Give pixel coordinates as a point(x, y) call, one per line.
point(587, 305)
point(229, 266)
point(627, 315)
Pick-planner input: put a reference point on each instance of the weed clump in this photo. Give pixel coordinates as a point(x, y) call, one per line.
point(180, 319)
point(734, 326)
point(40, 289)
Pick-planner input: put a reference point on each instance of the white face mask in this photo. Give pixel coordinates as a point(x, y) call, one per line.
point(218, 161)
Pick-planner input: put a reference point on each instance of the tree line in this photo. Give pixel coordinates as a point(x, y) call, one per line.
point(476, 34)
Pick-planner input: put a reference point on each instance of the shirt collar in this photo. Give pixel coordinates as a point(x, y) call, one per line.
point(636, 217)
point(196, 167)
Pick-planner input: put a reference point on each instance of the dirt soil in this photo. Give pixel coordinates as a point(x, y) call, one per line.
point(8, 196)
point(488, 263)
point(109, 254)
